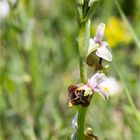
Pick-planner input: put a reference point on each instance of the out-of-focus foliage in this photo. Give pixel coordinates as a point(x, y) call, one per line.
point(39, 60)
point(117, 32)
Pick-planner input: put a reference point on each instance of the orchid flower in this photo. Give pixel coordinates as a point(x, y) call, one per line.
point(96, 44)
point(96, 82)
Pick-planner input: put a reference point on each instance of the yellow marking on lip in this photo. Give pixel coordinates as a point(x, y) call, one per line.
point(70, 104)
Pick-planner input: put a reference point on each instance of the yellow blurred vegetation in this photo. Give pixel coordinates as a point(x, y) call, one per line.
point(117, 32)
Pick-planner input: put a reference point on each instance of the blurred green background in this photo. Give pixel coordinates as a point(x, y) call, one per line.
point(39, 60)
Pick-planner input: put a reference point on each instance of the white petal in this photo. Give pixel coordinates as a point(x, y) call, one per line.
point(114, 87)
point(103, 93)
point(91, 43)
point(100, 32)
point(92, 46)
point(103, 52)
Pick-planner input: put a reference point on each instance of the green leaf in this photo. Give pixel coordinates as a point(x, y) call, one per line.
point(135, 37)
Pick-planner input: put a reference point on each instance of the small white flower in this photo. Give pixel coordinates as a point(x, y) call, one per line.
point(4, 9)
point(98, 45)
point(96, 83)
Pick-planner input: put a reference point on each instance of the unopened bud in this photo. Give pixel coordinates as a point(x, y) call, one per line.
point(80, 2)
point(91, 2)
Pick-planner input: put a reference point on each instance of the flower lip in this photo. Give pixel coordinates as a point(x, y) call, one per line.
point(79, 95)
point(72, 88)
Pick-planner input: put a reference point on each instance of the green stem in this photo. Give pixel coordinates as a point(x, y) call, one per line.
point(81, 121)
point(83, 72)
point(84, 36)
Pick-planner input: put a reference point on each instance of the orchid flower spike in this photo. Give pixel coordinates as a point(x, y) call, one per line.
point(96, 82)
point(96, 44)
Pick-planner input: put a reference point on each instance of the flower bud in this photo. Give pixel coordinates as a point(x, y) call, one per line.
point(91, 2)
point(88, 133)
point(80, 2)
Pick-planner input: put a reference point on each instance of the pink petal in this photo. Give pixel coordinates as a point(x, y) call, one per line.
point(100, 32)
point(104, 44)
point(96, 79)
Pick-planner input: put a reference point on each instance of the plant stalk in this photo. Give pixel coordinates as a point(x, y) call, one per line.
point(83, 43)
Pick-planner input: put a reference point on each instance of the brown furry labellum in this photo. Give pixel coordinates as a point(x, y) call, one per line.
point(79, 95)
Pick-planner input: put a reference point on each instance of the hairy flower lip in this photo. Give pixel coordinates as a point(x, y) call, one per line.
point(79, 95)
